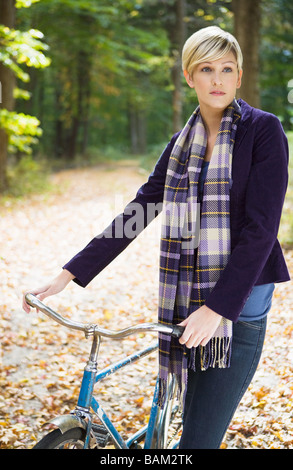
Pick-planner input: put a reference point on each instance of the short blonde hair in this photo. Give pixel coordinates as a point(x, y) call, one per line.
point(208, 44)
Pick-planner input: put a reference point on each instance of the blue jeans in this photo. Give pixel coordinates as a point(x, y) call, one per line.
point(213, 395)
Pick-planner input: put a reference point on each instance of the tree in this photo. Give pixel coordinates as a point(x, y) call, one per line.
point(247, 25)
point(18, 131)
point(98, 89)
point(7, 79)
point(277, 59)
point(177, 37)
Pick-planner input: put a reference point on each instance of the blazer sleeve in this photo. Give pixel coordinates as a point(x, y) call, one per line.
point(267, 184)
point(106, 246)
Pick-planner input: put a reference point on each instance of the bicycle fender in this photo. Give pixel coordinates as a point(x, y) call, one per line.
point(66, 422)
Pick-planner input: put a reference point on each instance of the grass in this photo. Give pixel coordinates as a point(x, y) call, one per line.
point(110, 154)
point(286, 226)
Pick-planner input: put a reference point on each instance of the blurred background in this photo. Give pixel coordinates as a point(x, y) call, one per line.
point(85, 79)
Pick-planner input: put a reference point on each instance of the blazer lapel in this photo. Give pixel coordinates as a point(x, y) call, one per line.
point(243, 125)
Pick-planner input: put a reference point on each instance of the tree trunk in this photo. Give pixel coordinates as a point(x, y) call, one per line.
point(142, 128)
point(247, 22)
point(59, 131)
point(71, 140)
point(133, 129)
point(7, 80)
point(137, 130)
point(177, 35)
point(84, 94)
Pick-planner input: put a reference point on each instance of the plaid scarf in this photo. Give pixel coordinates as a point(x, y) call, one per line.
point(195, 243)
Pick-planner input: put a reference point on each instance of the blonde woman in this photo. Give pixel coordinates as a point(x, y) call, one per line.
point(222, 180)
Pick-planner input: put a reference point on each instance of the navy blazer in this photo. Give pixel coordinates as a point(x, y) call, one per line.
point(260, 178)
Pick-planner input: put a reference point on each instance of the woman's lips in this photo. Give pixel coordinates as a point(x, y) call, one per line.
point(217, 93)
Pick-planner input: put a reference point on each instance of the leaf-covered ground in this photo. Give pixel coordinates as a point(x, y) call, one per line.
point(42, 362)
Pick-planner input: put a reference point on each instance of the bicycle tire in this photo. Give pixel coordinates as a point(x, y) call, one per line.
point(72, 439)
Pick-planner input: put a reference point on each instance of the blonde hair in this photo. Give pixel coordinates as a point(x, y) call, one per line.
point(208, 44)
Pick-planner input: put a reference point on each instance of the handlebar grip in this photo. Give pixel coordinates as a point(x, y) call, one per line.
point(177, 331)
point(33, 301)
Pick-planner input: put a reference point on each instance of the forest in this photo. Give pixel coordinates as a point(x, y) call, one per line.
point(83, 79)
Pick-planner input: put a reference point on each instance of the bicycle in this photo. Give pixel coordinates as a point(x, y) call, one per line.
point(77, 429)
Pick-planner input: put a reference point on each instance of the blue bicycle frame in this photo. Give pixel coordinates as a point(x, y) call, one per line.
point(154, 433)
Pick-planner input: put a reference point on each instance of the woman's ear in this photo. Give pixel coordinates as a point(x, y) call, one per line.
point(238, 85)
point(188, 79)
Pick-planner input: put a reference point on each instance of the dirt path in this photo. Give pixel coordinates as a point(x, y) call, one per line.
point(41, 363)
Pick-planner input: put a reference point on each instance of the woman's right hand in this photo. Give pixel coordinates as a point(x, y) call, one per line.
point(52, 288)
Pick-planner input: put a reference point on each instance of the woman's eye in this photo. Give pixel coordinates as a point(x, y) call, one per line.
point(209, 69)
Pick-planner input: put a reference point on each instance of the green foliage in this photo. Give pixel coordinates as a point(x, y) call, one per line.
point(25, 3)
point(277, 59)
point(18, 93)
point(22, 48)
point(111, 61)
point(110, 66)
point(22, 130)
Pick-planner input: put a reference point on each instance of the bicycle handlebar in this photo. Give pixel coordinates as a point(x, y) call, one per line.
point(92, 329)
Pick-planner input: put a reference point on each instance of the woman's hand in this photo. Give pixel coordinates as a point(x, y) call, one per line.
point(54, 287)
point(199, 327)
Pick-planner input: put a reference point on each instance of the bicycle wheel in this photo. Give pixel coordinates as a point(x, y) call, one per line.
point(72, 439)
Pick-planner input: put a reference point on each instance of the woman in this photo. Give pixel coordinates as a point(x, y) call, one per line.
point(228, 167)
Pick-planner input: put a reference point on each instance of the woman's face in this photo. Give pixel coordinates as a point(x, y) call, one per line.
point(215, 82)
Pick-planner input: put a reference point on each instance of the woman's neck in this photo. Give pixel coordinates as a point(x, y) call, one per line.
point(212, 120)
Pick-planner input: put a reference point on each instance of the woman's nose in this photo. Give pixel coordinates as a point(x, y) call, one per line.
point(216, 80)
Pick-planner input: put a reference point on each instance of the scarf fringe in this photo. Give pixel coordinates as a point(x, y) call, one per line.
point(217, 353)
point(178, 393)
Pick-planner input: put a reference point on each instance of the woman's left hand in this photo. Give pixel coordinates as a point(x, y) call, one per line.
point(199, 327)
